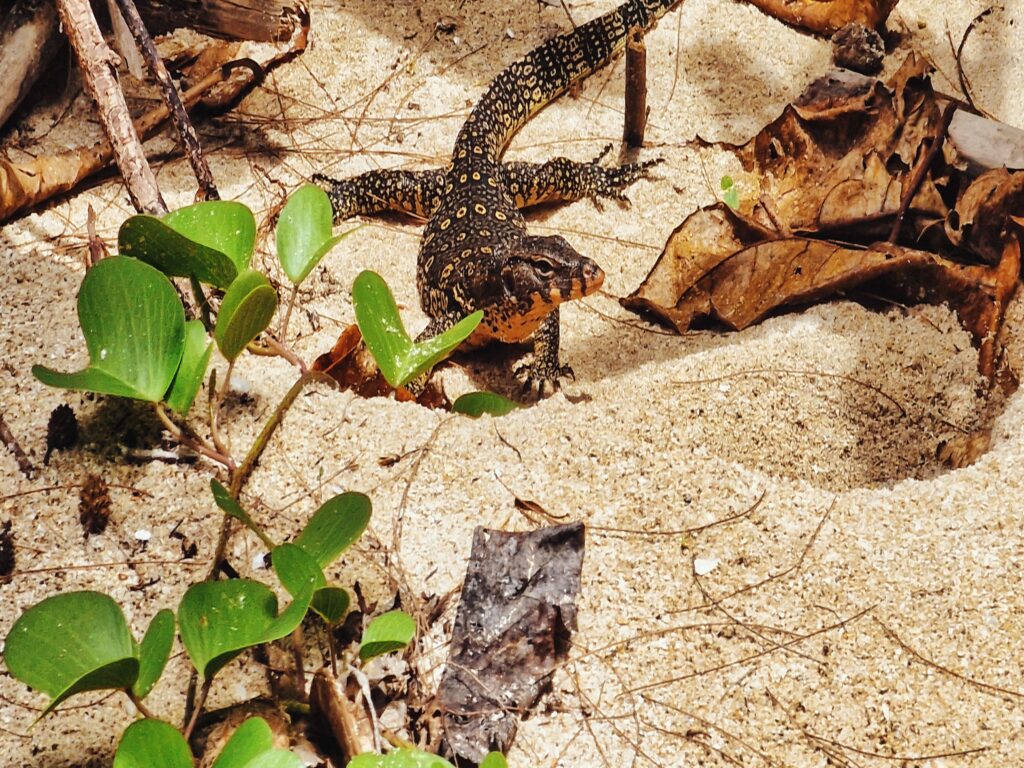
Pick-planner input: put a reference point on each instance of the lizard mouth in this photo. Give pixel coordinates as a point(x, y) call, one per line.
point(593, 278)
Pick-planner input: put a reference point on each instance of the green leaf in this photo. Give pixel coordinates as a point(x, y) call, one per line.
point(494, 760)
point(330, 604)
point(334, 527)
point(730, 195)
point(246, 311)
point(250, 740)
point(276, 758)
point(152, 744)
point(296, 569)
point(304, 232)
point(218, 620)
point(476, 404)
point(69, 643)
point(230, 506)
point(399, 758)
point(192, 368)
point(398, 357)
point(154, 652)
point(210, 241)
point(149, 239)
point(390, 631)
point(221, 225)
point(134, 328)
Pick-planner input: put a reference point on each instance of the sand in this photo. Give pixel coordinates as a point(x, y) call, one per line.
point(860, 604)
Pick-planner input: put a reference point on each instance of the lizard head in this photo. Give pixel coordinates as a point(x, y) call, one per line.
point(537, 274)
point(548, 271)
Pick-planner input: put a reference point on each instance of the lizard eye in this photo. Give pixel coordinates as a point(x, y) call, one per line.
point(544, 268)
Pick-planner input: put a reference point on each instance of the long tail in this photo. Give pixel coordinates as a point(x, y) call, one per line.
point(529, 84)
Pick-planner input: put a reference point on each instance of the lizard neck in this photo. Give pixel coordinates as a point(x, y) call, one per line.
point(528, 85)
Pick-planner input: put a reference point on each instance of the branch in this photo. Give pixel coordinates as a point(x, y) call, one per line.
point(96, 61)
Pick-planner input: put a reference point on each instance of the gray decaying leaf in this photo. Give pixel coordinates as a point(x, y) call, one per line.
point(511, 632)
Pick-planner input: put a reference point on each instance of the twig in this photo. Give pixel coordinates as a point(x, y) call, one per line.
point(922, 170)
point(186, 131)
point(8, 439)
point(958, 52)
point(97, 64)
point(636, 92)
point(995, 689)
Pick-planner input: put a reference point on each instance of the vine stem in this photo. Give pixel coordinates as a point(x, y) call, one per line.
point(143, 709)
point(288, 311)
point(193, 442)
point(200, 703)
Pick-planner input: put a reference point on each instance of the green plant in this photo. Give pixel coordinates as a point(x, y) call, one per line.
point(399, 357)
point(142, 346)
point(730, 194)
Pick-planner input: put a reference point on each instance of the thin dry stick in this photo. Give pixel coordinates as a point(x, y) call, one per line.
point(8, 439)
point(97, 64)
point(946, 670)
point(636, 92)
point(607, 530)
point(958, 53)
point(922, 170)
point(186, 131)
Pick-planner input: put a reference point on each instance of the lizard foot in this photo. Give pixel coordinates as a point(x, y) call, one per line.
point(540, 378)
point(610, 182)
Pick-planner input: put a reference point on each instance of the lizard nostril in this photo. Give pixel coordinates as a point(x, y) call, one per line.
point(593, 276)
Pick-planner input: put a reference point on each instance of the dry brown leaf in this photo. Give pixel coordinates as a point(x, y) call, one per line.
point(351, 365)
point(716, 269)
point(843, 151)
point(979, 222)
point(827, 16)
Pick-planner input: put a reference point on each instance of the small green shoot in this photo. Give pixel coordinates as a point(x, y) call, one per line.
point(400, 359)
point(212, 241)
point(476, 404)
point(192, 369)
point(80, 641)
point(152, 744)
point(389, 632)
point(730, 194)
point(245, 313)
point(304, 232)
point(223, 499)
point(331, 604)
point(494, 760)
point(134, 328)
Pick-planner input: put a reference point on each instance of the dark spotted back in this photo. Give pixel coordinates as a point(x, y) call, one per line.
point(477, 226)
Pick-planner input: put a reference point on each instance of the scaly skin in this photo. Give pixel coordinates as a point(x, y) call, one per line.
point(476, 252)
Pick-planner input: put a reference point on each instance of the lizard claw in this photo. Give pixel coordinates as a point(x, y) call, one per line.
point(541, 379)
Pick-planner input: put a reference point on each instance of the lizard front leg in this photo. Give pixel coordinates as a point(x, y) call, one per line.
point(545, 369)
point(418, 193)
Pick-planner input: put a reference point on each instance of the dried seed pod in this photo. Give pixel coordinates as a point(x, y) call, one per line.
point(94, 505)
point(61, 431)
point(6, 550)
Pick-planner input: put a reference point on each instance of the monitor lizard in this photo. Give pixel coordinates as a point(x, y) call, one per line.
point(476, 253)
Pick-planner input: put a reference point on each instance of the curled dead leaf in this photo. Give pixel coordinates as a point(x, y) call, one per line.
point(827, 17)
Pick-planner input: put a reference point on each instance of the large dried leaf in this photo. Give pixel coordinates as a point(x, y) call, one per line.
point(981, 219)
point(843, 151)
point(715, 268)
point(827, 16)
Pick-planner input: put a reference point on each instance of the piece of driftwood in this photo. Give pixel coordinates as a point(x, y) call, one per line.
point(259, 20)
point(24, 185)
point(512, 630)
point(29, 39)
point(97, 62)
